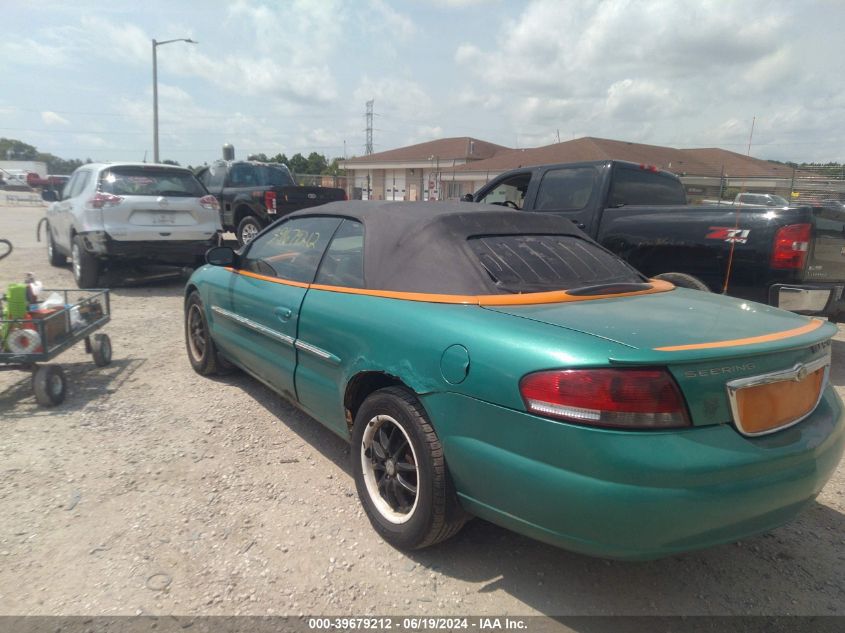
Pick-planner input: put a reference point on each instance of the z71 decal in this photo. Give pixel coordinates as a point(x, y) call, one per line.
point(728, 234)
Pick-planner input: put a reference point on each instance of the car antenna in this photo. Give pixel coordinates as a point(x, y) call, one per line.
point(736, 215)
point(145, 157)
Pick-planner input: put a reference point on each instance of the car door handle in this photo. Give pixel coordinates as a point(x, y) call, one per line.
point(283, 313)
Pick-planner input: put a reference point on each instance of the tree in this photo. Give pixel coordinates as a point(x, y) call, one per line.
point(316, 164)
point(333, 168)
point(298, 164)
point(12, 149)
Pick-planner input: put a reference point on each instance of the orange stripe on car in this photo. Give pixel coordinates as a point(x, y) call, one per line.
point(753, 340)
point(275, 280)
point(528, 298)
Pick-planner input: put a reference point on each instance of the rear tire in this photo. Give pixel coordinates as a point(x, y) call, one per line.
point(54, 256)
point(101, 349)
point(400, 472)
point(49, 385)
point(247, 229)
point(202, 352)
point(682, 280)
point(86, 267)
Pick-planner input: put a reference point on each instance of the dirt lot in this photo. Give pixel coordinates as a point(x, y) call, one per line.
point(152, 490)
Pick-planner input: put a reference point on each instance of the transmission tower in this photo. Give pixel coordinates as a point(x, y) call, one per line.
point(369, 117)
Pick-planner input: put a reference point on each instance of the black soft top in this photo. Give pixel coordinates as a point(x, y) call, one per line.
point(423, 246)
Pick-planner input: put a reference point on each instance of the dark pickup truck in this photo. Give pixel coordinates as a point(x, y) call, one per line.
point(253, 194)
point(790, 257)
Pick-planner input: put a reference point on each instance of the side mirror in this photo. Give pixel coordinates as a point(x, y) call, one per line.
point(220, 256)
point(467, 197)
point(48, 195)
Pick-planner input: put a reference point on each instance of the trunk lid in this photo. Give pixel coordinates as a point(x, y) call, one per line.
point(706, 341)
point(159, 218)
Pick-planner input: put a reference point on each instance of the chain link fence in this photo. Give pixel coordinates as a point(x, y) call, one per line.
point(814, 185)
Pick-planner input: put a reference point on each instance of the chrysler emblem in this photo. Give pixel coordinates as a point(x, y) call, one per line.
point(162, 202)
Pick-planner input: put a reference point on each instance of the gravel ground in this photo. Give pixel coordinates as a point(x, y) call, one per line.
point(152, 490)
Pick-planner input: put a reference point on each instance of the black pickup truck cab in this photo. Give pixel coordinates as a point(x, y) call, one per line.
point(790, 257)
point(253, 194)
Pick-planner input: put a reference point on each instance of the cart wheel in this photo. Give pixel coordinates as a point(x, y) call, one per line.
point(101, 349)
point(49, 385)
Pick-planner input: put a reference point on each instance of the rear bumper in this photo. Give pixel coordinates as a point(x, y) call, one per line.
point(808, 299)
point(176, 252)
point(633, 495)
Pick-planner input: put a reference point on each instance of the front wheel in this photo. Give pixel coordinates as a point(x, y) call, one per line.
point(86, 267)
point(247, 229)
point(201, 350)
point(400, 472)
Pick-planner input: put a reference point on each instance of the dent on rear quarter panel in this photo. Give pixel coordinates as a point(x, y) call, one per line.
point(406, 339)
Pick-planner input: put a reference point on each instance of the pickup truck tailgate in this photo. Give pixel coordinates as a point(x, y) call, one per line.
point(826, 260)
point(308, 196)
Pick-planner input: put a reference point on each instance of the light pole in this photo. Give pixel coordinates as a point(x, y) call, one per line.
point(155, 90)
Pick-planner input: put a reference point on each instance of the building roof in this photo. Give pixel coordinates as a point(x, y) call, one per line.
point(737, 164)
point(444, 149)
point(683, 162)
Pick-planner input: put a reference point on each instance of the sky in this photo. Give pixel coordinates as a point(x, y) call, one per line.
point(290, 76)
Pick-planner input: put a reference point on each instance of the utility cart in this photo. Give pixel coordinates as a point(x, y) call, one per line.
point(46, 332)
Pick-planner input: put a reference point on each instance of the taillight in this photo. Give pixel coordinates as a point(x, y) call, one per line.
point(620, 398)
point(209, 202)
point(101, 200)
point(270, 201)
point(789, 251)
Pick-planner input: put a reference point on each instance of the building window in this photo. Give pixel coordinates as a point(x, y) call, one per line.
point(454, 190)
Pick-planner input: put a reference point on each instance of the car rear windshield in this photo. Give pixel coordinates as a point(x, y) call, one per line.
point(538, 263)
point(145, 181)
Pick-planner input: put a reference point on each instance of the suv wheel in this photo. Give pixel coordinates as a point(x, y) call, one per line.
point(86, 267)
point(247, 229)
point(53, 255)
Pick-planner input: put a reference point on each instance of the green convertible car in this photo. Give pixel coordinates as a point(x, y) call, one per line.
point(501, 364)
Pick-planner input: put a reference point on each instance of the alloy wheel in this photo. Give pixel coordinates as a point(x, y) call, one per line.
point(389, 466)
point(77, 261)
point(248, 233)
point(196, 332)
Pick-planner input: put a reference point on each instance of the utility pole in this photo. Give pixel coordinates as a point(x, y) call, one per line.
point(368, 149)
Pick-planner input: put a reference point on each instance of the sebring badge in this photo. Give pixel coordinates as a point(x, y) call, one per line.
point(716, 371)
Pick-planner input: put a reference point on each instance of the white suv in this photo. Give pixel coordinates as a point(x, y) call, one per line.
point(129, 211)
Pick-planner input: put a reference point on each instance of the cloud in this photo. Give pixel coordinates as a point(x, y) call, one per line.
point(394, 21)
point(278, 70)
point(663, 71)
point(51, 118)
